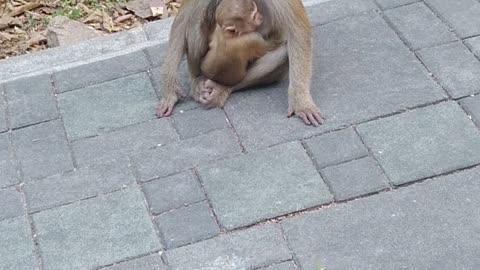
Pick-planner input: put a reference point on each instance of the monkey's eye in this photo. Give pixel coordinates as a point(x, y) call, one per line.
point(231, 32)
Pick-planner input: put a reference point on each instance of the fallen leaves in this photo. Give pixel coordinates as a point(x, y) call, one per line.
point(23, 23)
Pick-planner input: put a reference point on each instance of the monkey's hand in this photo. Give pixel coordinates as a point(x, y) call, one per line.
point(212, 94)
point(308, 112)
point(165, 107)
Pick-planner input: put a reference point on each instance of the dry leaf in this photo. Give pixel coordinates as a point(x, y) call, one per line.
point(142, 8)
point(6, 36)
point(157, 11)
point(94, 17)
point(123, 18)
point(36, 38)
point(20, 10)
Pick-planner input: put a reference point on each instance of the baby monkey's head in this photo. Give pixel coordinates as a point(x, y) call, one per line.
point(238, 17)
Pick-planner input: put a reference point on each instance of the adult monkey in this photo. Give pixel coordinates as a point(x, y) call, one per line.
point(284, 20)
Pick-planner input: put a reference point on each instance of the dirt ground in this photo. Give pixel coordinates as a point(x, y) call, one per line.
point(23, 23)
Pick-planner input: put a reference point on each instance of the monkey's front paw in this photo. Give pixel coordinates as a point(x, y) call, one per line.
point(309, 114)
point(213, 95)
point(165, 107)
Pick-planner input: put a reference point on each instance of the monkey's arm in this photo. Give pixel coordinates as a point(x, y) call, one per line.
point(299, 45)
point(169, 72)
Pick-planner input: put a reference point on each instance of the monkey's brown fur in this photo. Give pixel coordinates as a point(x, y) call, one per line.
point(227, 59)
point(285, 19)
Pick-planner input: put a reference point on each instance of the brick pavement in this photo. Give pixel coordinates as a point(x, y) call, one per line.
point(90, 179)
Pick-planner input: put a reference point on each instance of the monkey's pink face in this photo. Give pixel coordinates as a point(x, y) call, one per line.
point(239, 26)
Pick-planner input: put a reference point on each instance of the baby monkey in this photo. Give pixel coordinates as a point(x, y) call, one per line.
point(234, 43)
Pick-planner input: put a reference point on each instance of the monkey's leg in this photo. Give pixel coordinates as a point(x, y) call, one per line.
point(299, 46)
point(172, 88)
point(268, 69)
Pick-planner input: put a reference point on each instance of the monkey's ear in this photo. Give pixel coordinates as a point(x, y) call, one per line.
point(231, 30)
point(256, 17)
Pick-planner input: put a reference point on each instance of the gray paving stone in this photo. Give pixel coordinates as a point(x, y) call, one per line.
point(96, 47)
point(432, 225)
point(411, 22)
point(185, 154)
point(3, 111)
point(472, 106)
point(455, 67)
point(356, 78)
point(336, 147)
point(423, 142)
point(281, 266)
point(30, 101)
point(249, 188)
point(104, 107)
point(77, 185)
point(150, 262)
point(196, 122)
point(42, 150)
point(474, 44)
point(334, 10)
point(173, 192)
point(385, 4)
point(123, 142)
point(11, 203)
point(156, 54)
point(95, 232)
point(158, 30)
point(100, 71)
point(16, 249)
point(8, 176)
point(247, 249)
point(462, 15)
point(355, 178)
point(187, 225)
point(184, 104)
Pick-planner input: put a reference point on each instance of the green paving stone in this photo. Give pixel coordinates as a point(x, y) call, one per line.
point(30, 101)
point(100, 71)
point(16, 248)
point(423, 142)
point(173, 192)
point(281, 266)
point(187, 225)
point(411, 22)
point(355, 178)
point(151, 262)
point(96, 232)
point(253, 248)
point(42, 150)
point(474, 44)
point(337, 9)
point(462, 15)
point(100, 108)
point(430, 225)
point(336, 147)
point(3, 111)
point(8, 175)
point(394, 3)
point(77, 185)
point(472, 106)
point(173, 158)
point(196, 122)
point(11, 204)
point(249, 188)
point(123, 142)
point(455, 67)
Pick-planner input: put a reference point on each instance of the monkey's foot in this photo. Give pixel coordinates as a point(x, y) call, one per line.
point(165, 107)
point(309, 114)
point(212, 95)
